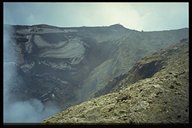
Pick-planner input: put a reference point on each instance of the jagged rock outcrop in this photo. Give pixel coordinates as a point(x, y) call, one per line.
point(158, 96)
point(75, 63)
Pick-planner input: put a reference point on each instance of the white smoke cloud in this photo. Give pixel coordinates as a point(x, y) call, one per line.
point(29, 111)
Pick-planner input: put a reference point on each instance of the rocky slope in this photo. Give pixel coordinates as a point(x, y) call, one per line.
point(69, 65)
point(159, 93)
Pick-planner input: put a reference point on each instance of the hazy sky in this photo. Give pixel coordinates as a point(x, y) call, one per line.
point(138, 16)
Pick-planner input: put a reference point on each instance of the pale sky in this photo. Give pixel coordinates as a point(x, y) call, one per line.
point(145, 16)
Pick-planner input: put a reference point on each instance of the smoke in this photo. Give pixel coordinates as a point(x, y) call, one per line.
point(28, 111)
point(31, 111)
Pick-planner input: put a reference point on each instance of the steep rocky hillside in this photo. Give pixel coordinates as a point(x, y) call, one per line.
point(159, 93)
point(144, 68)
point(69, 65)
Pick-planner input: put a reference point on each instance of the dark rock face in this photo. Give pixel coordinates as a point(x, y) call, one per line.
point(74, 63)
point(142, 71)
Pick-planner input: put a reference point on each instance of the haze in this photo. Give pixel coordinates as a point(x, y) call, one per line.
point(138, 16)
